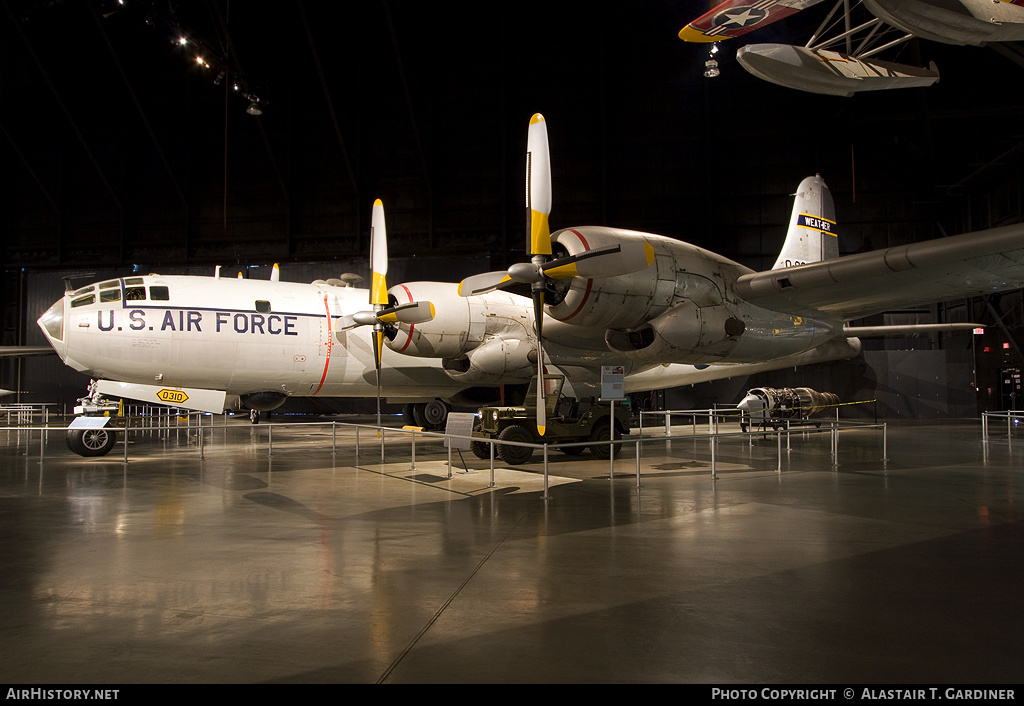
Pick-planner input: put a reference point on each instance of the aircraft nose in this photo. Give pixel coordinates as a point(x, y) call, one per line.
point(52, 324)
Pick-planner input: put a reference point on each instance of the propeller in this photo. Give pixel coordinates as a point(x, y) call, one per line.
point(384, 313)
point(542, 270)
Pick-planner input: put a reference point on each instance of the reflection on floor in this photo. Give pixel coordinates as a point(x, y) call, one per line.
point(293, 561)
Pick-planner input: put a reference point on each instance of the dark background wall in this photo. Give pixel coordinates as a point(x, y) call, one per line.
point(119, 151)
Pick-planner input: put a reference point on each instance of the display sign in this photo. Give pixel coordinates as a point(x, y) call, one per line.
point(613, 385)
point(459, 424)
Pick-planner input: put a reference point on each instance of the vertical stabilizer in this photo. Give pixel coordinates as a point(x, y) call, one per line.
point(812, 227)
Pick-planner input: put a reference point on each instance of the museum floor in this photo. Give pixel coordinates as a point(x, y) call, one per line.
point(250, 562)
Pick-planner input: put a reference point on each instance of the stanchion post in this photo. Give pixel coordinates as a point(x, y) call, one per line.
point(638, 464)
point(490, 443)
point(546, 495)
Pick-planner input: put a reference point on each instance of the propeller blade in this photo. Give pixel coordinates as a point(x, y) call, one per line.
point(538, 187)
point(411, 313)
point(378, 255)
point(275, 274)
point(483, 283)
point(538, 313)
point(541, 411)
point(621, 259)
point(378, 349)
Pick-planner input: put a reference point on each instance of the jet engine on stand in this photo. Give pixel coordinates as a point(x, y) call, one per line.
point(769, 406)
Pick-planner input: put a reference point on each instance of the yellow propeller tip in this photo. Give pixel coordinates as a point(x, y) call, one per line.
point(540, 430)
point(377, 202)
point(537, 118)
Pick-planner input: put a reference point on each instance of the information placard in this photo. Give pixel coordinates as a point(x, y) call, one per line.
point(459, 424)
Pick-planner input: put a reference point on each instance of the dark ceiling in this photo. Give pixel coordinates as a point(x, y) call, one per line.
point(118, 148)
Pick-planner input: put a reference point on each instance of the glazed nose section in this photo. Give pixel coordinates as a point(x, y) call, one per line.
point(52, 324)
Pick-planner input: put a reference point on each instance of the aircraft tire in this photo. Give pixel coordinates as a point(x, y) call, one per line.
point(599, 432)
point(435, 414)
point(514, 455)
point(90, 442)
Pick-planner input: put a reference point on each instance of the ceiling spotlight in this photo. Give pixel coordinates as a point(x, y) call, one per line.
point(182, 41)
point(254, 108)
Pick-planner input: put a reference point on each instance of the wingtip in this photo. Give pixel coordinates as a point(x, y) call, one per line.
point(689, 33)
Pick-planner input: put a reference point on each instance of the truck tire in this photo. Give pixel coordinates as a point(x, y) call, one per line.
point(479, 448)
point(514, 455)
point(599, 432)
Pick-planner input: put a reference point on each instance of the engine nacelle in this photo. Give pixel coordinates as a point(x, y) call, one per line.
point(680, 271)
point(498, 360)
point(449, 335)
point(686, 332)
point(465, 331)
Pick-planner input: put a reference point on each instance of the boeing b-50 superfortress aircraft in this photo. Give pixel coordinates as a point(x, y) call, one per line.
point(670, 312)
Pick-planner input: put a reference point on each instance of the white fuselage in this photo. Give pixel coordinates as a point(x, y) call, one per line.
point(239, 336)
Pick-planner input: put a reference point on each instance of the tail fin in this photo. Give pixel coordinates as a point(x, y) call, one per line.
point(812, 227)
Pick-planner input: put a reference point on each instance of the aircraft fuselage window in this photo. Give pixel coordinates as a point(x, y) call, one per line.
point(159, 294)
point(83, 301)
point(83, 290)
point(133, 281)
point(134, 294)
point(110, 283)
point(262, 306)
point(110, 295)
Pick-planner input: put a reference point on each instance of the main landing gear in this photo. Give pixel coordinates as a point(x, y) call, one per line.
point(430, 415)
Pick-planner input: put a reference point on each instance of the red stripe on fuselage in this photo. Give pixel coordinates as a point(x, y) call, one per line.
point(330, 341)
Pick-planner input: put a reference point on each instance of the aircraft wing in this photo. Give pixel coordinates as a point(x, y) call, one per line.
point(862, 284)
point(734, 18)
point(16, 351)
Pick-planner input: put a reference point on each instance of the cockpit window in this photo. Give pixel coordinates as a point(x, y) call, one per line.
point(109, 295)
point(159, 294)
point(134, 294)
point(83, 301)
point(110, 283)
point(263, 306)
point(133, 280)
point(81, 291)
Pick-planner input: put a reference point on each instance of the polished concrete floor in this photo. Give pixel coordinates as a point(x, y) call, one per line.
point(245, 562)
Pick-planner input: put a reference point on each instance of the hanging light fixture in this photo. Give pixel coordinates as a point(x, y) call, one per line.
point(254, 107)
